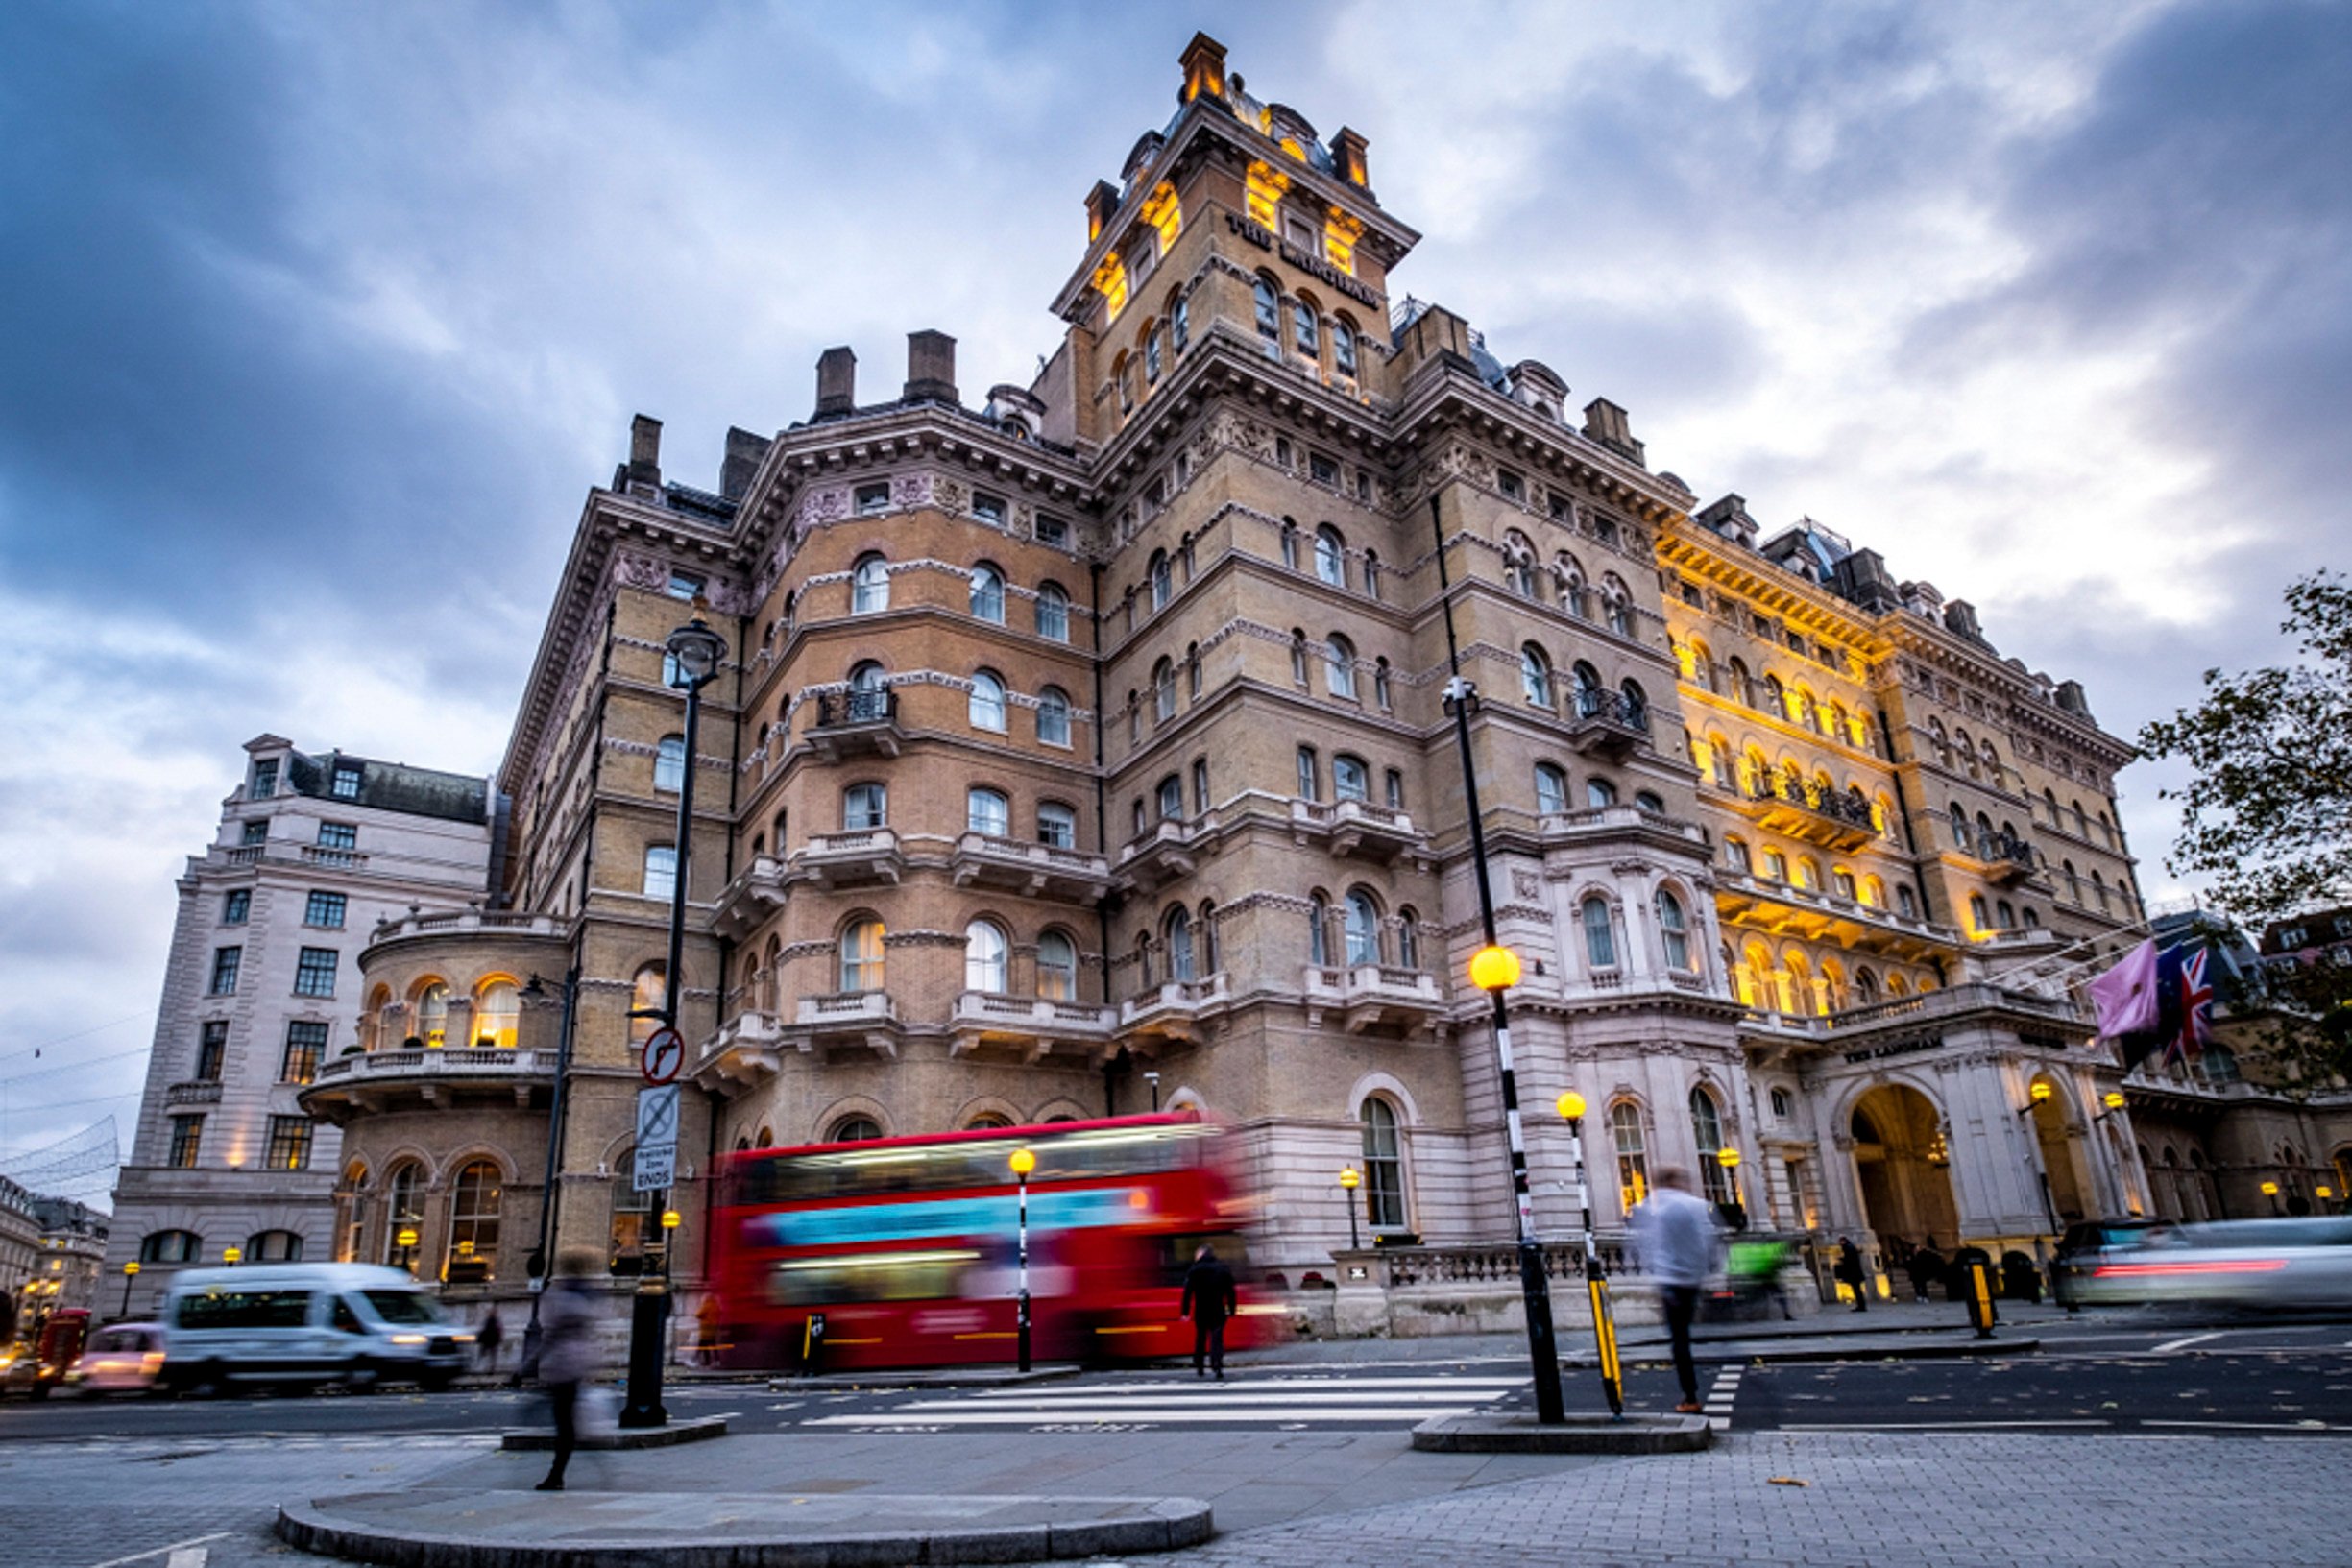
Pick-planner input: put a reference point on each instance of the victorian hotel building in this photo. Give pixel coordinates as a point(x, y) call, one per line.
point(1086, 750)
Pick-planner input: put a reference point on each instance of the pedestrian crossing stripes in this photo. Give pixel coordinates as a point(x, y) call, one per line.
point(1276, 1402)
point(1720, 1397)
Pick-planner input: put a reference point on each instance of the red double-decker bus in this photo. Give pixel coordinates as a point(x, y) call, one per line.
point(903, 1249)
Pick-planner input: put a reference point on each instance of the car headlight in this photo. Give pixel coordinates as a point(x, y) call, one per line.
point(410, 1340)
point(463, 1338)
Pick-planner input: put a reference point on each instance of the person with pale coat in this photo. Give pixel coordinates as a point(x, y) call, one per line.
point(567, 1353)
point(1674, 1234)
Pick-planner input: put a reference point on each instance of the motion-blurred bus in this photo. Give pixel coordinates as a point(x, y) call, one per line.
point(902, 1251)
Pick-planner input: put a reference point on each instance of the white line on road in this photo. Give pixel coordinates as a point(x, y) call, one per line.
point(1207, 1385)
point(1106, 1414)
point(156, 1552)
point(1933, 1426)
point(2171, 1345)
point(189, 1557)
point(1236, 1396)
point(1720, 1398)
point(2253, 1426)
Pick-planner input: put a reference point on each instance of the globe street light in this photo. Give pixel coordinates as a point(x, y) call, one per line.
point(235, 1255)
point(1349, 1181)
point(1023, 1162)
point(1729, 1160)
point(2270, 1190)
point(130, 1271)
point(1572, 1109)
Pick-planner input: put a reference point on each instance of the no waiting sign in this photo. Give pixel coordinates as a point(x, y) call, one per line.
point(657, 1139)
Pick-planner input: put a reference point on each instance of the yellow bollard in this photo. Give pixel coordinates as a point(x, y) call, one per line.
point(1604, 1335)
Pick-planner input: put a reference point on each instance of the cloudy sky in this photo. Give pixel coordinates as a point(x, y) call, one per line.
point(319, 317)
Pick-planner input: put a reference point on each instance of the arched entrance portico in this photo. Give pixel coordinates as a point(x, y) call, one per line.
point(2069, 1186)
point(1903, 1167)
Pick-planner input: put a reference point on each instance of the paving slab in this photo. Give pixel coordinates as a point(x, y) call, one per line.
point(474, 1528)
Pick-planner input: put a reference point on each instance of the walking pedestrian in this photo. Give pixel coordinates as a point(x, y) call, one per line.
point(1850, 1272)
point(1925, 1267)
point(567, 1353)
point(1209, 1300)
point(1674, 1234)
point(488, 1338)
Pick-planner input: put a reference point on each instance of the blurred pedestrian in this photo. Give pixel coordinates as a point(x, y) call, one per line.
point(1925, 1267)
point(1209, 1300)
point(1850, 1272)
point(1674, 1234)
point(488, 1338)
point(567, 1353)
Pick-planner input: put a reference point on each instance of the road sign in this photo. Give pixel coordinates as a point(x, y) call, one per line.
point(662, 1054)
point(657, 1138)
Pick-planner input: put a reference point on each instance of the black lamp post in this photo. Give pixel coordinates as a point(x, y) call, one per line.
point(541, 1260)
point(130, 1271)
point(1022, 1163)
point(1495, 969)
point(695, 654)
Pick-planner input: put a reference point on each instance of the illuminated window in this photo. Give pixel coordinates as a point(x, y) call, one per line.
point(1707, 1131)
point(1110, 281)
point(1162, 211)
point(986, 957)
point(433, 1014)
point(187, 1142)
point(1633, 1160)
point(474, 1223)
point(289, 1144)
point(1265, 187)
point(861, 950)
point(1057, 967)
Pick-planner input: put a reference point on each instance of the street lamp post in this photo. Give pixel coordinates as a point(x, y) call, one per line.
point(2035, 1099)
point(1349, 1181)
point(1495, 969)
point(540, 1260)
point(1152, 1077)
point(2270, 1190)
point(1022, 1163)
point(2113, 1100)
point(130, 1271)
point(1729, 1159)
point(1572, 1109)
point(694, 655)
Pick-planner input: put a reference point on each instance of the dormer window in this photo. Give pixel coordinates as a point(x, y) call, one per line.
point(346, 783)
point(265, 778)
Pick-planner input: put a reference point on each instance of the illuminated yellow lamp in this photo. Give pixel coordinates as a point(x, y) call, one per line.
point(1571, 1106)
point(2040, 1091)
point(1350, 1178)
point(2269, 1189)
point(670, 1220)
point(2113, 1100)
point(1495, 968)
point(1110, 281)
point(1341, 231)
point(406, 1237)
point(1728, 1158)
point(464, 1249)
point(1163, 212)
point(232, 1256)
point(2324, 1191)
point(1023, 1162)
point(1264, 186)
point(131, 1270)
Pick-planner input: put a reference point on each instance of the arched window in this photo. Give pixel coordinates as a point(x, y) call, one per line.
point(862, 955)
point(2099, 887)
point(1350, 778)
point(1906, 902)
point(1536, 676)
point(1205, 930)
point(1298, 656)
point(1960, 834)
point(1163, 691)
point(2007, 914)
point(984, 957)
point(1177, 932)
point(171, 1246)
point(1330, 556)
point(1318, 932)
point(1600, 793)
point(1340, 667)
point(1409, 937)
point(1343, 348)
point(1979, 918)
point(988, 812)
point(865, 806)
point(1169, 797)
point(1371, 573)
point(1587, 682)
point(1310, 780)
point(1551, 788)
point(869, 694)
point(1179, 321)
point(403, 1215)
point(2073, 883)
point(869, 584)
point(1620, 607)
point(1383, 691)
point(669, 763)
point(1057, 967)
point(1269, 310)
point(1053, 716)
point(855, 1129)
point(497, 1014)
point(1637, 704)
point(1707, 1131)
point(1866, 985)
point(1808, 873)
point(1633, 1159)
point(634, 1230)
point(648, 996)
point(1290, 544)
point(1163, 580)
point(987, 593)
point(1519, 564)
point(1054, 613)
point(1568, 578)
point(1192, 672)
point(1151, 353)
point(1743, 683)
point(274, 1247)
point(1362, 928)
point(1384, 1167)
point(1600, 941)
point(474, 1224)
point(986, 708)
point(660, 880)
point(1305, 338)
point(1672, 926)
point(433, 1014)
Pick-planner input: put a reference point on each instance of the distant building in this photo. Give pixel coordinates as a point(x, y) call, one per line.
point(50, 1251)
point(260, 988)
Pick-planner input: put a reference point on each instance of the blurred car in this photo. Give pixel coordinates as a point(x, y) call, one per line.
point(2087, 1242)
point(2279, 1264)
point(122, 1357)
point(33, 1368)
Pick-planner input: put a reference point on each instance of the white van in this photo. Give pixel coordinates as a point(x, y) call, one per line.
point(355, 1323)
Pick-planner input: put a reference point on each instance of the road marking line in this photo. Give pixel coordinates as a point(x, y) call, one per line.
point(1931, 1426)
point(1207, 1385)
point(1103, 1415)
point(2251, 1426)
point(189, 1557)
point(1222, 1396)
point(156, 1552)
point(1720, 1397)
point(2171, 1345)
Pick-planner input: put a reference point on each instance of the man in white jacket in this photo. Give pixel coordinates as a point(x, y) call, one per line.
point(1674, 1234)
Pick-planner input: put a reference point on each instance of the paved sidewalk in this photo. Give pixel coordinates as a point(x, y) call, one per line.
point(1869, 1501)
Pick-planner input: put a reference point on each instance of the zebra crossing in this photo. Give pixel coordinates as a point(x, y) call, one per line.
point(1720, 1398)
point(1281, 1402)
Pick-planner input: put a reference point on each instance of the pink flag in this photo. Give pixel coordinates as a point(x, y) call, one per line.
point(2126, 994)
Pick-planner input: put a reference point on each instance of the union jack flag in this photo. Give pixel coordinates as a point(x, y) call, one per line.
point(2195, 1011)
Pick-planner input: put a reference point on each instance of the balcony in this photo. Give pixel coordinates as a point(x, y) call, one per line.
point(1607, 724)
point(194, 1092)
point(2002, 859)
point(847, 1018)
point(856, 724)
point(2038, 1013)
point(745, 1054)
point(1160, 854)
point(1356, 828)
point(1176, 1009)
point(1831, 818)
point(1029, 1026)
point(1786, 909)
point(382, 1080)
point(1622, 821)
point(752, 898)
point(858, 857)
point(1365, 996)
point(1040, 870)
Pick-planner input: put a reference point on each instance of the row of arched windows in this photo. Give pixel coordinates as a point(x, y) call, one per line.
point(1302, 316)
point(988, 705)
point(1357, 931)
point(1552, 798)
point(869, 593)
point(471, 1210)
point(1330, 558)
point(492, 1019)
point(1796, 983)
point(1586, 694)
point(1797, 704)
point(1161, 343)
point(1598, 922)
point(1611, 604)
point(1775, 864)
point(181, 1246)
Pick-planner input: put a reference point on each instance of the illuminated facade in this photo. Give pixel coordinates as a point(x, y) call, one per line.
point(1084, 749)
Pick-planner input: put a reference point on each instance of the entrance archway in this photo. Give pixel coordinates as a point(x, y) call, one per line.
point(1904, 1168)
point(2061, 1166)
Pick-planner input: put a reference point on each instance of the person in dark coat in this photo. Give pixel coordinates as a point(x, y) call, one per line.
point(488, 1338)
point(1209, 1300)
point(567, 1353)
point(1925, 1267)
point(1850, 1272)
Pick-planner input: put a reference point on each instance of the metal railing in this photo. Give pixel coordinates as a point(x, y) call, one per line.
point(835, 708)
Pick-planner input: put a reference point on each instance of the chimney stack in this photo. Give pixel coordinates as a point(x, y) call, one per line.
point(930, 367)
point(1204, 69)
point(1348, 149)
point(644, 451)
point(1101, 202)
point(837, 382)
point(743, 460)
